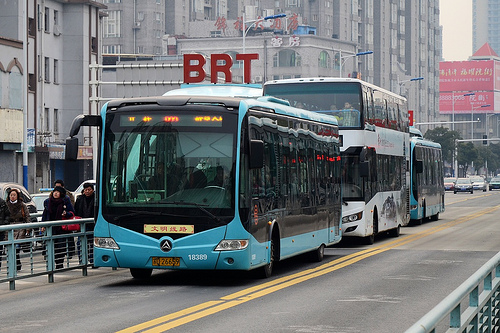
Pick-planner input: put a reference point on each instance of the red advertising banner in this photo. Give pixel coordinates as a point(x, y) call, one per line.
point(464, 104)
point(467, 75)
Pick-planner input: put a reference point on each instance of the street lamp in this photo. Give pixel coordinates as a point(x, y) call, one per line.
point(472, 118)
point(401, 83)
point(350, 56)
point(253, 22)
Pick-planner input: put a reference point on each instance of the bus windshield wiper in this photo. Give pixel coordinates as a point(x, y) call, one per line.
point(196, 205)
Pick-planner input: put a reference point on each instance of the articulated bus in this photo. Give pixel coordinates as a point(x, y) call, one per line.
point(374, 133)
point(427, 179)
point(214, 183)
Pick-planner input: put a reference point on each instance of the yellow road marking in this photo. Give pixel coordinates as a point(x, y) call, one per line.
point(196, 312)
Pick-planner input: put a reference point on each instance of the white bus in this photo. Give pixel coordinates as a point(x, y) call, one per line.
point(374, 132)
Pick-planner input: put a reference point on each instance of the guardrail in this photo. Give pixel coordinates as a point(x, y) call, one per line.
point(481, 311)
point(38, 253)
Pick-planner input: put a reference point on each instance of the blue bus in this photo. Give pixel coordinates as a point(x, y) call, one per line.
point(427, 179)
point(374, 132)
point(214, 183)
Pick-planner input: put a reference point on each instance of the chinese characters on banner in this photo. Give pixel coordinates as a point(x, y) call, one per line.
point(457, 78)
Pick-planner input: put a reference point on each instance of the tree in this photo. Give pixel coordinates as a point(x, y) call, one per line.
point(467, 153)
point(446, 139)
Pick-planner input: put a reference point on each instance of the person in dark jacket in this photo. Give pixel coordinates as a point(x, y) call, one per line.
point(69, 194)
point(57, 207)
point(4, 219)
point(19, 213)
point(84, 207)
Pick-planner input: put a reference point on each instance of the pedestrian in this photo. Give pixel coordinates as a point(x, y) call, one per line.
point(4, 219)
point(58, 207)
point(84, 207)
point(69, 194)
point(60, 182)
point(19, 213)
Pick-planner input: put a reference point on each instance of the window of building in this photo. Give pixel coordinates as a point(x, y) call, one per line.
point(324, 60)
point(287, 58)
point(112, 49)
point(56, 121)
point(15, 89)
point(47, 19)
point(47, 69)
point(46, 121)
point(112, 24)
point(56, 71)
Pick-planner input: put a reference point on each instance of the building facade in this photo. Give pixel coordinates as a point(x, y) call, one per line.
point(63, 40)
point(485, 24)
point(404, 35)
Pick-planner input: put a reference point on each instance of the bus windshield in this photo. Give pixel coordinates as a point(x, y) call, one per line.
point(169, 163)
point(352, 182)
point(340, 99)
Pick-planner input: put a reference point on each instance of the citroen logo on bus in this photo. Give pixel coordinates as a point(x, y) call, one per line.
point(166, 245)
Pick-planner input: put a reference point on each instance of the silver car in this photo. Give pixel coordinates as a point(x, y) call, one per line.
point(478, 183)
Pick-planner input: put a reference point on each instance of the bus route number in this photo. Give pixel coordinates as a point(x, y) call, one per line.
point(196, 257)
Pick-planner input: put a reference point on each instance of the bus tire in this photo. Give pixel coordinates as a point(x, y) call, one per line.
point(395, 232)
point(318, 254)
point(369, 240)
point(267, 270)
point(435, 217)
point(141, 273)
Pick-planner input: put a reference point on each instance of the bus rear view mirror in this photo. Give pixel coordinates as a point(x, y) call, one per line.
point(256, 160)
point(419, 166)
point(71, 149)
point(364, 169)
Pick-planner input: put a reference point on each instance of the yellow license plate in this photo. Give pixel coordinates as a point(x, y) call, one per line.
point(167, 261)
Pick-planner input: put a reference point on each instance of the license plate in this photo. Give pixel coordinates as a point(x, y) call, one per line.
point(167, 261)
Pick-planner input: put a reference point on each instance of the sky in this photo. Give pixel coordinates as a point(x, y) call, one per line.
point(456, 19)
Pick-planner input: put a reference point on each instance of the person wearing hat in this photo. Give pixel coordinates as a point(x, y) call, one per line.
point(58, 207)
point(84, 207)
point(60, 182)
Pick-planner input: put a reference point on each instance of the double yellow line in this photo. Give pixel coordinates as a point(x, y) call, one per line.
point(193, 313)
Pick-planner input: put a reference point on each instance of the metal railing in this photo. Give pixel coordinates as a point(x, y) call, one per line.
point(39, 251)
point(478, 296)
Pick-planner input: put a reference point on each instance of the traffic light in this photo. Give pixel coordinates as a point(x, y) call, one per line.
point(485, 142)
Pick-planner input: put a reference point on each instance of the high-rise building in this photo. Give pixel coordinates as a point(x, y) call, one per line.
point(485, 24)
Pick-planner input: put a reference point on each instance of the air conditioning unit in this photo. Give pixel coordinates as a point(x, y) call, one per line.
point(57, 29)
point(258, 78)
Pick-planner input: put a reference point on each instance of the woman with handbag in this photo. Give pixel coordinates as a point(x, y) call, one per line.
point(58, 207)
point(19, 213)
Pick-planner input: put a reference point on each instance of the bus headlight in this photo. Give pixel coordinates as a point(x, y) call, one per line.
point(352, 217)
point(232, 244)
point(106, 243)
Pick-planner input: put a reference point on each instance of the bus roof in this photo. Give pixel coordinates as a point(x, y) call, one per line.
point(331, 80)
point(229, 90)
point(423, 142)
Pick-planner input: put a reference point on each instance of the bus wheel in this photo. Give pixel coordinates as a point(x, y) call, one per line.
point(395, 232)
point(267, 270)
point(141, 273)
point(369, 240)
point(435, 217)
point(318, 254)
